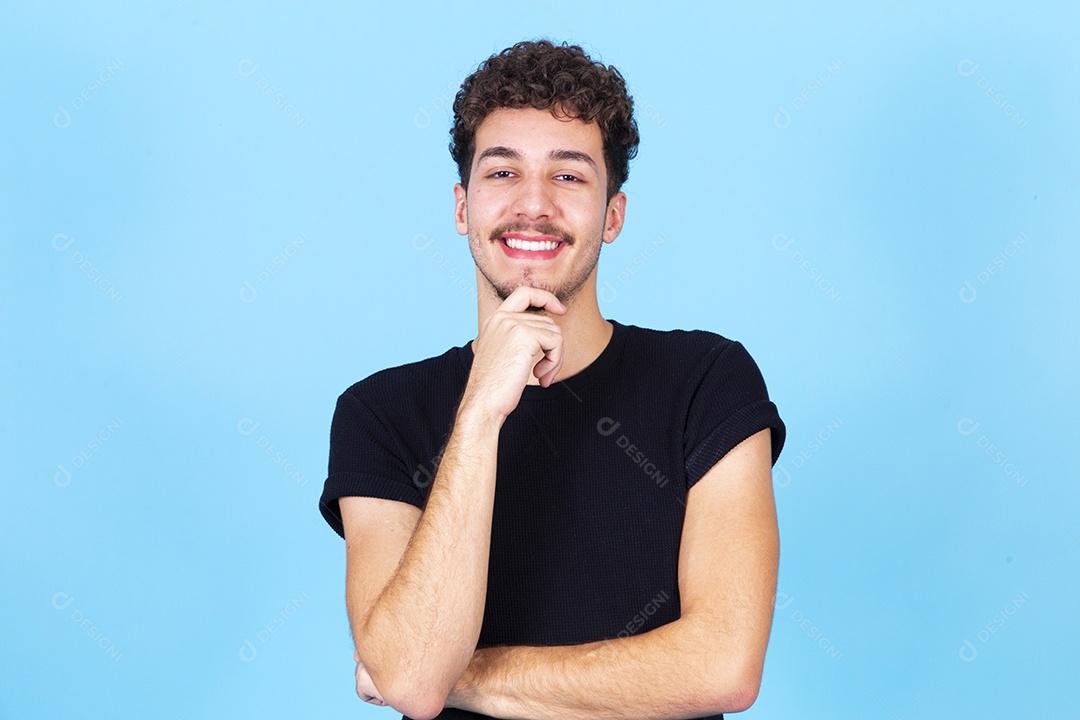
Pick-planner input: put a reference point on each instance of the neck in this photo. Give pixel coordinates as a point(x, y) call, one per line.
point(585, 332)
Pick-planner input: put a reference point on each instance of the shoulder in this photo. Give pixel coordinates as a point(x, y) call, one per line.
point(397, 386)
point(688, 360)
point(689, 349)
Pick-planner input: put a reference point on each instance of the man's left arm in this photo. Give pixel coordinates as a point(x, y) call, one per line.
point(708, 661)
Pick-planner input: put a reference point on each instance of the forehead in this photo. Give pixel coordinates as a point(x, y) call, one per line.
point(534, 133)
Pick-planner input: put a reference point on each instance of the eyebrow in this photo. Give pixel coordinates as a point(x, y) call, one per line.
point(501, 151)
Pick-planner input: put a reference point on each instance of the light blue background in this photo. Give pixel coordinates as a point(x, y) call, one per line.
point(193, 269)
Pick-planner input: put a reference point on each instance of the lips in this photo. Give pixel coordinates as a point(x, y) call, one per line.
point(534, 247)
point(533, 244)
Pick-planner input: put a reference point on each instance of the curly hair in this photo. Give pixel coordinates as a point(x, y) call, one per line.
point(560, 78)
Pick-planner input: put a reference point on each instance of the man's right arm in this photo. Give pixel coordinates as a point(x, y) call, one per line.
point(416, 582)
point(415, 593)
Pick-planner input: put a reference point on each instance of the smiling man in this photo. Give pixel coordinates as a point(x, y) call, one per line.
point(566, 517)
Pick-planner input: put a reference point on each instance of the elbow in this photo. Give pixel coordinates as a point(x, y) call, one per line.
point(399, 683)
point(736, 691)
point(418, 686)
point(740, 698)
point(411, 693)
point(415, 702)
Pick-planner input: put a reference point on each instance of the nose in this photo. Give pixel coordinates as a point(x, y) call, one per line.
point(535, 198)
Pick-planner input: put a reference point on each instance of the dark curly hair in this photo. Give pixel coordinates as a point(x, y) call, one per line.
point(552, 77)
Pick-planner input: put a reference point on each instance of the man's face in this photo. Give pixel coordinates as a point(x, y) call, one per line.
point(537, 182)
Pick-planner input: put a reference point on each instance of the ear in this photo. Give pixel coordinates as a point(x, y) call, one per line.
point(461, 210)
point(616, 215)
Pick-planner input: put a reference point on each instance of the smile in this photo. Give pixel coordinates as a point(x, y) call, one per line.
point(532, 245)
point(541, 249)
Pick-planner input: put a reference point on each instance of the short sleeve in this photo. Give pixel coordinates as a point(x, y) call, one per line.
point(366, 459)
point(730, 404)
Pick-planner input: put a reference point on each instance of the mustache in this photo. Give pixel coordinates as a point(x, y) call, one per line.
point(543, 228)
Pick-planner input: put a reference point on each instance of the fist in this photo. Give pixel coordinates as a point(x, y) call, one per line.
point(515, 344)
point(365, 688)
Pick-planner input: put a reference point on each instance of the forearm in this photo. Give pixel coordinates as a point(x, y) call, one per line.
point(422, 630)
point(679, 670)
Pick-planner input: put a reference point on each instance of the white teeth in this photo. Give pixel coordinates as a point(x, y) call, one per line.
point(532, 245)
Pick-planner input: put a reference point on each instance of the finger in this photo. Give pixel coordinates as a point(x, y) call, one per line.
point(525, 297)
point(546, 369)
point(548, 378)
point(548, 366)
point(513, 319)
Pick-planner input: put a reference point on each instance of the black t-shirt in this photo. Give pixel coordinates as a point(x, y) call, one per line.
point(591, 480)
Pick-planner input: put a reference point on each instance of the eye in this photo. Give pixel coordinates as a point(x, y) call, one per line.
point(500, 174)
point(568, 176)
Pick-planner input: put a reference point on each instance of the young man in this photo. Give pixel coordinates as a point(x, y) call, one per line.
point(566, 517)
